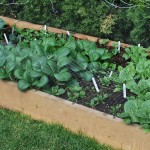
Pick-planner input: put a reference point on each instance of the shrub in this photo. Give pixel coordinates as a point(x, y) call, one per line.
point(91, 17)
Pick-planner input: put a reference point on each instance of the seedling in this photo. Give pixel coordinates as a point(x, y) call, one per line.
point(74, 93)
point(97, 100)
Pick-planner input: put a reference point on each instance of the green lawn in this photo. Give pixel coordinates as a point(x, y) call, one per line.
point(20, 132)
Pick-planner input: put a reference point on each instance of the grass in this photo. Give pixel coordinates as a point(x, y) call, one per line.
point(20, 132)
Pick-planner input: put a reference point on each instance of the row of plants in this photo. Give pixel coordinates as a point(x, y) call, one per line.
point(126, 25)
point(63, 66)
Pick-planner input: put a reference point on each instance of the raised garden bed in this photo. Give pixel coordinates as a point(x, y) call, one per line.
point(94, 123)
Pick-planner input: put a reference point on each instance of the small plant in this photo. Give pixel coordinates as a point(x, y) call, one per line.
point(55, 90)
point(114, 109)
point(105, 81)
point(137, 111)
point(97, 100)
point(104, 42)
point(135, 53)
point(75, 93)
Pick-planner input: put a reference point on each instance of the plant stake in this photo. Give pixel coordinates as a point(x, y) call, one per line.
point(124, 91)
point(95, 85)
point(119, 44)
point(110, 74)
point(12, 30)
point(68, 33)
point(45, 27)
point(5, 38)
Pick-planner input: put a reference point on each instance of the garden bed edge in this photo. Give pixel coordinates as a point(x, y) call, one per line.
point(101, 126)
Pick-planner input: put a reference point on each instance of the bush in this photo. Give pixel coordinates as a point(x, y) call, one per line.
point(141, 20)
point(91, 17)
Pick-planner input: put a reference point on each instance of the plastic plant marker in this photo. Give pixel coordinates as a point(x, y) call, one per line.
point(45, 27)
point(124, 91)
point(119, 44)
point(6, 39)
point(12, 31)
point(68, 33)
point(139, 45)
point(95, 85)
point(110, 74)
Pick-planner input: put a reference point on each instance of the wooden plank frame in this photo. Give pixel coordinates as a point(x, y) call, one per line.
point(103, 127)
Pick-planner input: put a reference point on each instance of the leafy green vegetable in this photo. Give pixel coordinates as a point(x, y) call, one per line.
point(42, 82)
point(2, 23)
point(75, 93)
point(55, 90)
point(23, 85)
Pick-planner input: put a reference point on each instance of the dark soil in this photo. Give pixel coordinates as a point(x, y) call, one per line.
point(112, 105)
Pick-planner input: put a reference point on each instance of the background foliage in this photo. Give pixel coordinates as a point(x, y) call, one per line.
point(93, 17)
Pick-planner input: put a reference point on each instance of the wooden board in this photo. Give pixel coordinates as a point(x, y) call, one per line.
point(76, 117)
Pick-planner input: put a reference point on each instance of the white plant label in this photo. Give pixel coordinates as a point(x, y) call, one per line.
point(139, 45)
point(68, 33)
point(12, 30)
point(95, 84)
point(119, 44)
point(45, 27)
point(110, 74)
point(124, 91)
point(5, 38)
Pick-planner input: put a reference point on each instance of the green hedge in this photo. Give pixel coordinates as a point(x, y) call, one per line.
point(93, 17)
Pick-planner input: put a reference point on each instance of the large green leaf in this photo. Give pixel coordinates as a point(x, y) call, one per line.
point(35, 74)
point(53, 66)
point(71, 43)
point(49, 42)
point(2, 60)
point(143, 85)
point(25, 52)
point(94, 66)
point(106, 56)
point(33, 43)
point(46, 69)
point(87, 75)
point(63, 61)
point(63, 76)
point(10, 66)
point(38, 62)
point(39, 49)
point(3, 74)
point(81, 58)
point(18, 73)
point(100, 51)
point(28, 64)
point(127, 73)
point(23, 85)
point(11, 57)
point(131, 106)
point(94, 56)
point(26, 76)
point(77, 66)
point(42, 82)
point(2, 23)
point(61, 52)
point(87, 45)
